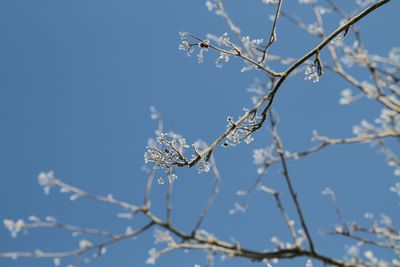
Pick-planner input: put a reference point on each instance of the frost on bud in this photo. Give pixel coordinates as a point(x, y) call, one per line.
point(223, 57)
point(167, 152)
point(307, 1)
point(210, 5)
point(185, 45)
point(172, 177)
point(51, 219)
point(243, 131)
point(277, 242)
point(200, 55)
point(155, 115)
point(189, 42)
point(248, 67)
point(396, 189)
point(203, 165)
point(34, 219)
point(153, 256)
point(346, 97)
point(223, 39)
point(364, 129)
point(14, 227)
point(270, 2)
point(238, 207)
point(264, 155)
point(315, 29)
point(353, 251)
point(57, 261)
point(83, 243)
point(47, 180)
point(253, 43)
point(160, 180)
point(330, 193)
point(161, 237)
point(315, 71)
point(311, 73)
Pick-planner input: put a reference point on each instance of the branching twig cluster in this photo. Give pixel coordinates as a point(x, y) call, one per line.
point(169, 150)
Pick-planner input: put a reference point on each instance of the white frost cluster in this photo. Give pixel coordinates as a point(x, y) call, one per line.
point(270, 2)
point(14, 226)
point(263, 157)
point(307, 1)
point(242, 131)
point(166, 152)
point(312, 73)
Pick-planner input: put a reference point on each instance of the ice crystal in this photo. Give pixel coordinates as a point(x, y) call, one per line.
point(243, 131)
point(346, 97)
point(166, 153)
point(312, 74)
point(238, 207)
point(14, 226)
point(223, 57)
point(203, 165)
point(153, 256)
point(270, 2)
point(200, 55)
point(307, 1)
point(185, 44)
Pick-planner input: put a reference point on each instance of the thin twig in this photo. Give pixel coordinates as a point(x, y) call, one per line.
point(293, 194)
point(213, 195)
point(272, 37)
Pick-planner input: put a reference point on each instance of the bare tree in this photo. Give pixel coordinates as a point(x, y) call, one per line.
point(169, 151)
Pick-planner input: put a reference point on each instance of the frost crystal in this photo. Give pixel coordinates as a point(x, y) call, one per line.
point(223, 57)
point(223, 39)
point(346, 97)
point(162, 237)
point(314, 29)
point(307, 1)
point(185, 45)
point(251, 43)
point(396, 189)
point(203, 166)
point(312, 74)
point(315, 70)
point(200, 55)
point(85, 243)
point(155, 115)
point(57, 261)
point(263, 155)
point(46, 179)
point(166, 153)
point(270, 2)
point(14, 227)
point(330, 193)
point(242, 131)
point(238, 207)
point(153, 256)
point(210, 5)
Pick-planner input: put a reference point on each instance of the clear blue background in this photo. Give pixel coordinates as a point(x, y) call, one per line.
point(77, 80)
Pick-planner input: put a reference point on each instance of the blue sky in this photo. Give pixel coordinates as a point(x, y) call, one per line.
point(78, 78)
